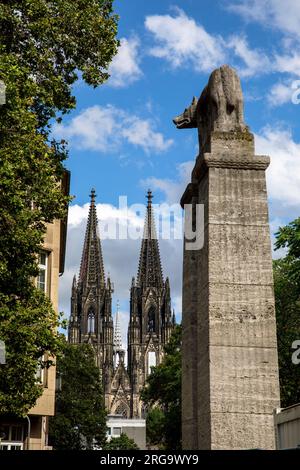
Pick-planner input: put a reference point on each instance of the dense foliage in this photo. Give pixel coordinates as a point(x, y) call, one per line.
point(287, 297)
point(80, 419)
point(44, 45)
point(163, 392)
point(27, 335)
point(121, 443)
point(155, 428)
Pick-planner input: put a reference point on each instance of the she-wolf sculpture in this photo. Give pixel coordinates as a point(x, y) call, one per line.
point(219, 108)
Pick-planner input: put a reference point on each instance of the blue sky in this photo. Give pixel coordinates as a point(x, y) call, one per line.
point(121, 136)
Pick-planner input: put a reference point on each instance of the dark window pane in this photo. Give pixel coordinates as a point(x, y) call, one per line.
point(41, 281)
point(42, 259)
point(16, 433)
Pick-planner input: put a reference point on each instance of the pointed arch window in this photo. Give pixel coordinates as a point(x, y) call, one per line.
point(151, 360)
point(151, 320)
point(91, 322)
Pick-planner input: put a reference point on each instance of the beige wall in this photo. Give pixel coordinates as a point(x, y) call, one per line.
point(45, 404)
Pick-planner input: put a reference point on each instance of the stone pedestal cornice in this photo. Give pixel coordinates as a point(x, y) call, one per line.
point(225, 160)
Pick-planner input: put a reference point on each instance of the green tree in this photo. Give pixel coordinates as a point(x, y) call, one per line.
point(27, 335)
point(155, 426)
point(44, 47)
point(289, 237)
point(121, 443)
point(163, 391)
point(80, 417)
point(287, 298)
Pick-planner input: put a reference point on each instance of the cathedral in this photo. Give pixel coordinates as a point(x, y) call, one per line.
point(150, 324)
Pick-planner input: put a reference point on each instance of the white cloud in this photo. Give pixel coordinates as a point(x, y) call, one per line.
point(280, 93)
point(124, 68)
point(283, 15)
point(255, 61)
point(184, 43)
point(173, 189)
point(288, 63)
point(181, 41)
point(139, 132)
point(283, 175)
point(107, 128)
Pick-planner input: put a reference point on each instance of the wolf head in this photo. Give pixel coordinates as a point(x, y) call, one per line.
point(187, 119)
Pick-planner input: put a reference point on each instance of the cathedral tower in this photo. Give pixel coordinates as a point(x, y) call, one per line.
point(91, 318)
point(151, 321)
point(150, 325)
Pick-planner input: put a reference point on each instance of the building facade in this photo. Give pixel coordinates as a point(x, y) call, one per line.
point(287, 427)
point(134, 428)
point(31, 433)
point(151, 319)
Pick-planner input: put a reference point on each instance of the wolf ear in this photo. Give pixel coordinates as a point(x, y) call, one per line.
point(194, 100)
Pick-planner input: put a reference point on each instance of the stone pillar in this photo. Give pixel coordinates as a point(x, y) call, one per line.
point(230, 367)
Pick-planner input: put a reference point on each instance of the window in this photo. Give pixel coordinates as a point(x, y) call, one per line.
point(151, 320)
point(42, 276)
point(91, 322)
point(5, 432)
point(16, 433)
point(39, 375)
point(11, 437)
point(116, 432)
point(151, 360)
point(58, 382)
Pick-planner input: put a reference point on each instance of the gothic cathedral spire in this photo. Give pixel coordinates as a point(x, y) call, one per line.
point(91, 316)
point(91, 267)
point(151, 322)
point(149, 270)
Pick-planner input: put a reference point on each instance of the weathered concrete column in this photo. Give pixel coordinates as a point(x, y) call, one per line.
point(230, 367)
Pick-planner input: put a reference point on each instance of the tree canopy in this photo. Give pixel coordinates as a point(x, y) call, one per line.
point(80, 418)
point(122, 442)
point(287, 298)
point(45, 46)
point(27, 335)
point(52, 42)
point(162, 395)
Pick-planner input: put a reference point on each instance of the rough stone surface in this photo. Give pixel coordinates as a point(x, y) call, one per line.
point(230, 367)
point(219, 108)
